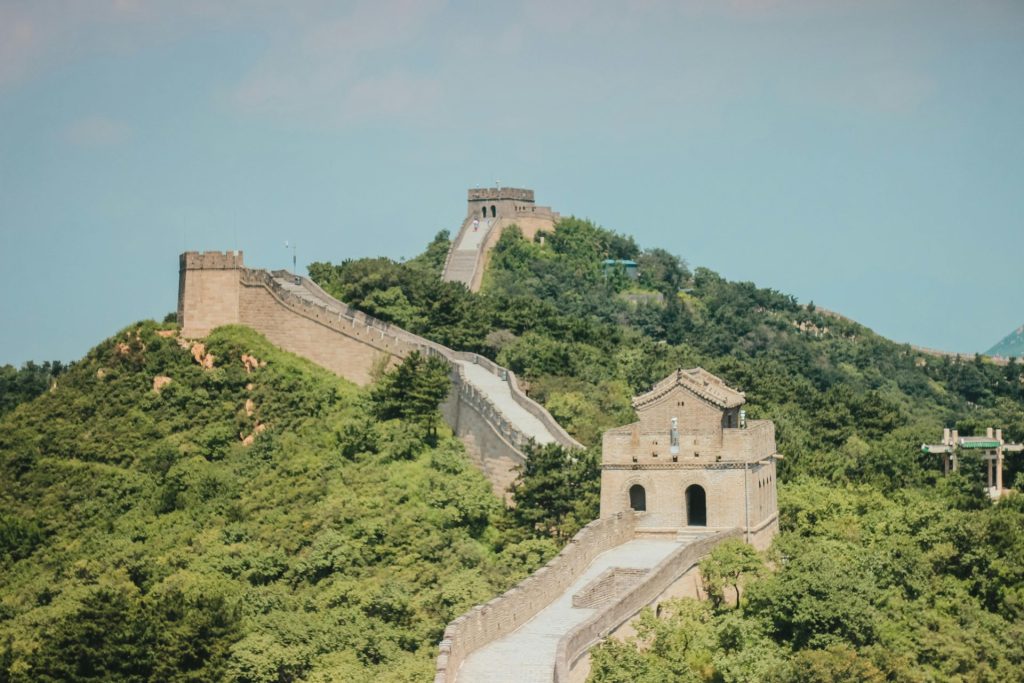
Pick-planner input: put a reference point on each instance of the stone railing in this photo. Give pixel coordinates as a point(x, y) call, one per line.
point(534, 408)
point(482, 404)
point(481, 256)
point(556, 430)
point(964, 357)
point(510, 610)
point(579, 639)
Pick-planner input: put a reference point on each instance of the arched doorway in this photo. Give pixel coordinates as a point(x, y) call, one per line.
point(637, 498)
point(696, 506)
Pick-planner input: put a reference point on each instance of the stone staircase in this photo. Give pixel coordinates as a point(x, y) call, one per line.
point(461, 267)
point(467, 251)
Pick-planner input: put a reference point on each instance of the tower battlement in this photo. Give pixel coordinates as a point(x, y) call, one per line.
point(517, 194)
point(211, 260)
point(208, 290)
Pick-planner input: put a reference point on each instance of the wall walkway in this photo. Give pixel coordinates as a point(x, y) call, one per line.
point(467, 258)
point(535, 633)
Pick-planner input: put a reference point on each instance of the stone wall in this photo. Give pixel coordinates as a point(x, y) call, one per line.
point(515, 607)
point(733, 495)
point(579, 639)
point(310, 333)
point(491, 443)
point(216, 289)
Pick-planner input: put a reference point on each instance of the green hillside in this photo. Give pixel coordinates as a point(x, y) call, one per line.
point(257, 520)
point(1011, 346)
point(884, 570)
point(141, 539)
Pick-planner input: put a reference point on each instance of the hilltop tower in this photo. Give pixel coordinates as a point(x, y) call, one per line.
point(692, 459)
point(489, 210)
point(491, 202)
point(208, 291)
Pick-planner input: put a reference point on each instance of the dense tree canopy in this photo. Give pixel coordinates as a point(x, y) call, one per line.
point(144, 537)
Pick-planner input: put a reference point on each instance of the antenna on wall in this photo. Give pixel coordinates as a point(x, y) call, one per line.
point(291, 245)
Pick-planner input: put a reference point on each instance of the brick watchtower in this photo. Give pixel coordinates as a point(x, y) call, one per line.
point(492, 202)
point(208, 291)
point(693, 460)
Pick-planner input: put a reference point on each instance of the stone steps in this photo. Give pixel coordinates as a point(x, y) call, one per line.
point(461, 267)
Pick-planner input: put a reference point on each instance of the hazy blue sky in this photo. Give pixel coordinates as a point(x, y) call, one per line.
point(866, 155)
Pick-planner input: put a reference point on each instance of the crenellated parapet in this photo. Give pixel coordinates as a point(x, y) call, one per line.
point(513, 193)
point(211, 260)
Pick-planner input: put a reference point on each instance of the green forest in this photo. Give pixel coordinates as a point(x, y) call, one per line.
point(144, 538)
point(254, 518)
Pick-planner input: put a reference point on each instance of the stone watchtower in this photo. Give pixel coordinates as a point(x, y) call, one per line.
point(692, 459)
point(491, 202)
point(208, 291)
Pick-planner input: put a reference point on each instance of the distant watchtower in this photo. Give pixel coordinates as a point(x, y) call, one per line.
point(491, 202)
point(489, 210)
point(693, 460)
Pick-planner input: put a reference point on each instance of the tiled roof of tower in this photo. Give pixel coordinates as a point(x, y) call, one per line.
point(697, 380)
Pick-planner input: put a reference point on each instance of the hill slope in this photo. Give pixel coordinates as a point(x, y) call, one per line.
point(1011, 346)
point(145, 537)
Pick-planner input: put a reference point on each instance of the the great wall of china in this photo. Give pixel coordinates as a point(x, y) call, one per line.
point(541, 629)
point(217, 289)
point(611, 569)
point(488, 212)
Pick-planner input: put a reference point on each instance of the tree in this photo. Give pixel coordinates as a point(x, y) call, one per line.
point(558, 490)
point(413, 390)
point(729, 564)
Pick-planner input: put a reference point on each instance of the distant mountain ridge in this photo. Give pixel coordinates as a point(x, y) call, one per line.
point(1011, 346)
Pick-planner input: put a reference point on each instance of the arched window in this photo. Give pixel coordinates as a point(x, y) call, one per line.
point(483, 210)
point(494, 211)
point(696, 506)
point(637, 498)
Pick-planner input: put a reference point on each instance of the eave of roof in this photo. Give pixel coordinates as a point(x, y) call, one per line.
point(698, 381)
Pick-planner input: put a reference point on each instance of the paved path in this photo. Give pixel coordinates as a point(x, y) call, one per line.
point(500, 394)
point(472, 239)
point(527, 655)
point(461, 266)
